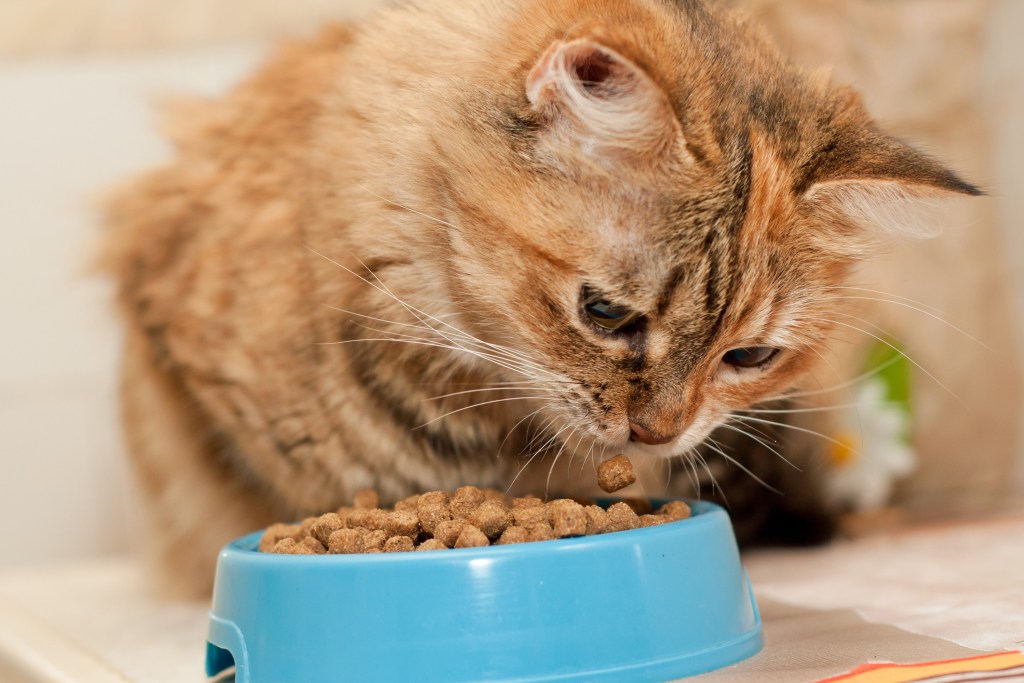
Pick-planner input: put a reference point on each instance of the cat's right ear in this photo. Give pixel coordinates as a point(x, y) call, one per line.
point(597, 103)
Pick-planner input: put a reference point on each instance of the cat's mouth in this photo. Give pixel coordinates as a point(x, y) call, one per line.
point(652, 446)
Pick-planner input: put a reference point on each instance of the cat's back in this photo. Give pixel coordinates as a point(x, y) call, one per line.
point(183, 240)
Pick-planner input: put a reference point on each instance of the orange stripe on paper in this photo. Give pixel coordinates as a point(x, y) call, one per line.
point(906, 673)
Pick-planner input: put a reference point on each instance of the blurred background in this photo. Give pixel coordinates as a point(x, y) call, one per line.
point(79, 80)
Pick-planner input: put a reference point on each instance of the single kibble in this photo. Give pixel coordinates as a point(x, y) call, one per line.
point(491, 517)
point(432, 509)
point(621, 517)
point(471, 537)
point(286, 546)
point(448, 531)
point(526, 502)
point(567, 518)
point(465, 500)
point(641, 506)
point(514, 534)
point(432, 544)
point(496, 496)
point(653, 520)
point(376, 519)
point(290, 546)
point(344, 512)
point(399, 544)
point(307, 524)
point(374, 540)
point(366, 499)
point(615, 474)
point(597, 519)
point(409, 503)
point(346, 541)
point(278, 532)
point(525, 516)
point(325, 525)
point(403, 523)
point(675, 510)
point(356, 518)
point(312, 545)
point(541, 531)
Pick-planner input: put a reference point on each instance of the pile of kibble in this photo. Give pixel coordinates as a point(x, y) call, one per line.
point(468, 518)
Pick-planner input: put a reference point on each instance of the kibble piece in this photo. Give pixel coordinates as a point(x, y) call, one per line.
point(597, 519)
point(567, 518)
point(471, 537)
point(374, 540)
point(621, 517)
point(286, 546)
point(448, 531)
point(278, 532)
point(307, 524)
point(491, 517)
point(431, 544)
point(541, 531)
point(526, 502)
point(409, 503)
point(675, 510)
point(641, 506)
point(356, 518)
point(376, 519)
point(496, 496)
point(325, 525)
point(615, 474)
point(366, 499)
point(653, 520)
point(403, 523)
point(346, 541)
point(514, 534)
point(525, 516)
point(312, 545)
point(465, 500)
point(399, 544)
point(432, 509)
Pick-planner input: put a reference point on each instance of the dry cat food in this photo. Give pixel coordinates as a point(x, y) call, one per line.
point(615, 474)
point(468, 518)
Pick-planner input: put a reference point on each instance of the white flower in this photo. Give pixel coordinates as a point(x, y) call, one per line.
point(871, 452)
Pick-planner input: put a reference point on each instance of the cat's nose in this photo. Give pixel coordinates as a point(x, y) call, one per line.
point(644, 435)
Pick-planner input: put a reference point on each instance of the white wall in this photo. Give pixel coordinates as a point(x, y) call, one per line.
point(1005, 95)
point(70, 127)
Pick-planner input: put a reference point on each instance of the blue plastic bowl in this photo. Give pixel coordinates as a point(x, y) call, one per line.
point(650, 604)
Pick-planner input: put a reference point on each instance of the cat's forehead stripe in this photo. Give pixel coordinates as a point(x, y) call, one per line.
point(721, 242)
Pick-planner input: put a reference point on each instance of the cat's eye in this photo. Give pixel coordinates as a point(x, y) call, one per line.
point(750, 356)
point(607, 315)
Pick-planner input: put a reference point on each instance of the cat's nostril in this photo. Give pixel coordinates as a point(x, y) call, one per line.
point(648, 437)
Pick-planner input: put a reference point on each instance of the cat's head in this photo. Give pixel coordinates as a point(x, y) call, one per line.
point(657, 210)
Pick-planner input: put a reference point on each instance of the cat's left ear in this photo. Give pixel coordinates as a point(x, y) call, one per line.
point(869, 176)
point(596, 102)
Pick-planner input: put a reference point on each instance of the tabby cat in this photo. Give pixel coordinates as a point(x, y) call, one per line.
point(488, 242)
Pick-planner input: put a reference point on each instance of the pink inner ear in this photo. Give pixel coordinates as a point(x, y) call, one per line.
point(593, 69)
